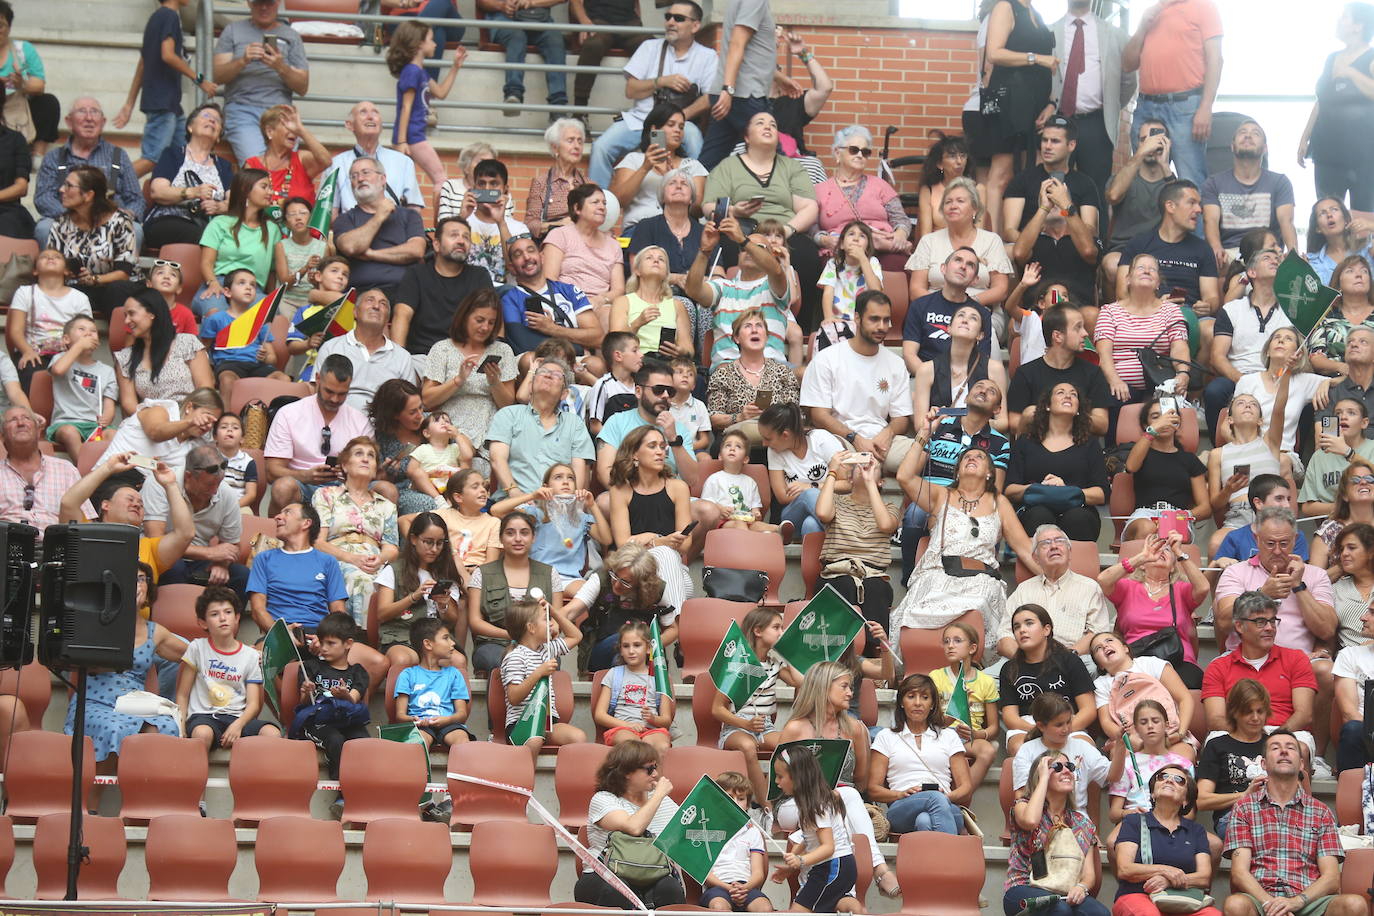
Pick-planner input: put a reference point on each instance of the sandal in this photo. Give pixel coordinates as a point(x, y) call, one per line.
point(887, 885)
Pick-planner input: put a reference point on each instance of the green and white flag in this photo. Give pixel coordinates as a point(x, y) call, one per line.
point(821, 632)
point(534, 719)
point(706, 821)
point(658, 660)
point(278, 651)
point(957, 707)
point(830, 753)
point(1301, 294)
point(402, 732)
point(322, 214)
point(736, 670)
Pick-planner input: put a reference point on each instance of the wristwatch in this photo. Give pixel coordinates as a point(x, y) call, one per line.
point(675, 443)
point(1030, 58)
point(728, 87)
point(1301, 586)
point(850, 436)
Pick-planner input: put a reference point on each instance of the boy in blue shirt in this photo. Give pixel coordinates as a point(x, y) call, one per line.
point(253, 360)
point(161, 65)
point(433, 694)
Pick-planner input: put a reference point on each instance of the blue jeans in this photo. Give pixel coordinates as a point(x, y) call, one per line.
point(1350, 753)
point(1190, 156)
point(722, 136)
point(924, 811)
point(801, 512)
point(182, 570)
point(242, 131)
point(915, 523)
point(442, 9)
point(551, 48)
point(1011, 903)
point(163, 128)
point(618, 139)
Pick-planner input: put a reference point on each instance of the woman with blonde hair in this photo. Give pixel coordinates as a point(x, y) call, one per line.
point(820, 709)
point(292, 171)
point(649, 310)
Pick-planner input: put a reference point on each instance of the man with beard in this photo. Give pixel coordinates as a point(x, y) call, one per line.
point(537, 308)
point(1247, 197)
point(860, 390)
point(379, 239)
point(1064, 332)
point(429, 293)
point(1133, 193)
point(925, 332)
point(364, 122)
point(1187, 267)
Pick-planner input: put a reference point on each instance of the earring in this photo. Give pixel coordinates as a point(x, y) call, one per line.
point(635, 462)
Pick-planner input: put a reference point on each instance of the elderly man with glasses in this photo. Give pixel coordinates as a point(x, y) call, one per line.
point(212, 557)
point(1075, 602)
point(86, 146)
point(1285, 672)
point(546, 435)
point(31, 483)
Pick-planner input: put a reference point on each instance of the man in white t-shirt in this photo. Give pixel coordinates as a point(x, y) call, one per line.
point(1354, 666)
point(860, 390)
point(677, 62)
point(492, 227)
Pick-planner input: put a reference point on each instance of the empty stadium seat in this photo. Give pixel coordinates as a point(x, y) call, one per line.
point(1349, 807)
point(952, 889)
point(271, 777)
point(701, 627)
point(33, 685)
point(685, 764)
point(90, 453)
point(299, 860)
point(160, 774)
point(382, 779)
point(38, 776)
point(574, 781)
point(473, 803)
point(512, 864)
point(708, 726)
point(99, 878)
point(190, 857)
point(175, 609)
point(6, 849)
point(811, 560)
point(404, 859)
point(737, 548)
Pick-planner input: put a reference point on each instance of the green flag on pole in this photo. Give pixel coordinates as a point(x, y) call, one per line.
point(830, 753)
point(957, 707)
point(736, 670)
point(1301, 294)
point(403, 732)
point(706, 821)
point(658, 660)
point(821, 632)
point(534, 719)
point(322, 214)
point(278, 651)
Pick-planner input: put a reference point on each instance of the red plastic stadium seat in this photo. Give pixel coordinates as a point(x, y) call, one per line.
point(161, 774)
point(299, 860)
point(405, 860)
point(175, 609)
point(99, 879)
point(574, 780)
point(190, 857)
point(382, 779)
point(952, 889)
point(472, 803)
point(38, 778)
point(736, 548)
point(701, 627)
point(922, 650)
point(33, 685)
point(687, 763)
point(272, 777)
point(513, 864)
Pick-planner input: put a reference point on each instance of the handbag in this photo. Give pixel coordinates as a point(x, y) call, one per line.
point(18, 114)
point(1160, 367)
point(962, 567)
point(748, 585)
point(1171, 899)
point(255, 423)
point(635, 859)
point(1165, 643)
point(1057, 865)
point(672, 96)
point(1055, 498)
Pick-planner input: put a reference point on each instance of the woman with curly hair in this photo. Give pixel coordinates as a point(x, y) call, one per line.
point(1057, 474)
point(639, 583)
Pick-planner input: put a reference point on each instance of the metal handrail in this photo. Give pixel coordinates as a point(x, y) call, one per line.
point(310, 16)
point(470, 64)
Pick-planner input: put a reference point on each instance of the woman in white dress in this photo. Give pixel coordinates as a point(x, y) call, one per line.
point(958, 572)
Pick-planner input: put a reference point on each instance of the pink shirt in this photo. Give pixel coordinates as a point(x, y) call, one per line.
point(1138, 615)
point(296, 432)
point(588, 267)
point(836, 211)
point(1293, 633)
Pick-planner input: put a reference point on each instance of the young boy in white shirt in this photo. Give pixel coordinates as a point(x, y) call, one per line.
point(219, 690)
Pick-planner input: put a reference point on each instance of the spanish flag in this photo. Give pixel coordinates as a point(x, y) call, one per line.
point(243, 330)
point(319, 318)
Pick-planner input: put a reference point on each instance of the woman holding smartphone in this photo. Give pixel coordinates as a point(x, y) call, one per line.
point(639, 177)
point(421, 581)
point(650, 311)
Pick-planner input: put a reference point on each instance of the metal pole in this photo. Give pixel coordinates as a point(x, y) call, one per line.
point(75, 851)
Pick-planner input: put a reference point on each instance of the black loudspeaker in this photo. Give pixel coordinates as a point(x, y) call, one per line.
point(89, 587)
point(17, 545)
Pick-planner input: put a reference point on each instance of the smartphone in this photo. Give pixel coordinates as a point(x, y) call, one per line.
point(1330, 426)
point(270, 41)
point(929, 787)
point(534, 305)
point(861, 458)
point(763, 398)
point(953, 412)
point(1039, 867)
point(1242, 469)
point(487, 195)
point(657, 138)
point(1059, 176)
point(1171, 520)
point(722, 210)
point(441, 587)
point(143, 461)
point(491, 360)
point(1155, 131)
point(1168, 405)
point(757, 198)
point(689, 529)
point(331, 461)
point(666, 336)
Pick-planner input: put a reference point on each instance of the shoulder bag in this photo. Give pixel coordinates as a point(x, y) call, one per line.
point(1171, 899)
point(748, 585)
point(635, 859)
point(18, 115)
point(1165, 643)
point(672, 96)
point(1056, 866)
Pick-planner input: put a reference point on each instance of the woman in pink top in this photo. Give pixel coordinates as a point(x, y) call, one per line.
point(850, 194)
point(583, 254)
point(1159, 587)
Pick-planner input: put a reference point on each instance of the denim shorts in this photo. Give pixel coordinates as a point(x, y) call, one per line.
point(727, 730)
point(163, 130)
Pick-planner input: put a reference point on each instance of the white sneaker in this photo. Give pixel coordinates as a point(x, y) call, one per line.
point(1321, 769)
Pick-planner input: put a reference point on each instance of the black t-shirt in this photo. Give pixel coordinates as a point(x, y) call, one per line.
point(326, 677)
point(1181, 264)
point(792, 117)
point(1230, 764)
point(927, 324)
point(1078, 465)
point(434, 299)
point(1037, 376)
point(1066, 677)
point(1167, 477)
point(1026, 185)
point(1060, 262)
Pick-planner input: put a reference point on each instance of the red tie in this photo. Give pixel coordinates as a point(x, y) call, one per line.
point(1069, 99)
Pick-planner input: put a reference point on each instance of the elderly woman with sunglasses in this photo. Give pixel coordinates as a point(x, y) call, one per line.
point(850, 194)
point(1048, 806)
point(1176, 846)
point(190, 183)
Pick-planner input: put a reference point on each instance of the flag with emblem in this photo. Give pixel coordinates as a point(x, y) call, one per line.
point(821, 632)
point(658, 659)
point(243, 330)
point(1301, 294)
point(322, 214)
point(707, 820)
point(736, 670)
point(534, 718)
point(830, 753)
point(278, 651)
point(957, 707)
point(334, 319)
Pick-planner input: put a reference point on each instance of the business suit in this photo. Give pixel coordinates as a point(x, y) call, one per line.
point(1098, 128)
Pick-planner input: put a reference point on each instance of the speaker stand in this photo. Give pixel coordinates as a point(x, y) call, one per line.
point(75, 850)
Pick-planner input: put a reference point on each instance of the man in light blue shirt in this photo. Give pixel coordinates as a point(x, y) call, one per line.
point(547, 435)
point(364, 122)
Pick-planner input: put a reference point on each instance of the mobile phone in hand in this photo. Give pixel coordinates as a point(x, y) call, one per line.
point(1243, 470)
point(689, 529)
point(1331, 426)
point(721, 211)
point(487, 195)
point(763, 398)
point(491, 360)
point(657, 138)
point(666, 336)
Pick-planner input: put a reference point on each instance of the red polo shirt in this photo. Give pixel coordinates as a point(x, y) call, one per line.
point(1283, 669)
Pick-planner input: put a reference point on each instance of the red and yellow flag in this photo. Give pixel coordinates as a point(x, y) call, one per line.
point(243, 330)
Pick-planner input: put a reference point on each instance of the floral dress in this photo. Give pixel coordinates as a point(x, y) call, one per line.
point(357, 528)
point(106, 728)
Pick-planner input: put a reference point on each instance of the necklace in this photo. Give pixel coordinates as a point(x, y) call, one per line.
point(967, 506)
point(1156, 589)
point(754, 373)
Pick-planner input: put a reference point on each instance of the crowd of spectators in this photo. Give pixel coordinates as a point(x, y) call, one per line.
point(529, 431)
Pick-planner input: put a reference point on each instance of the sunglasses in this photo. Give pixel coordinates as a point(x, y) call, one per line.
point(326, 438)
point(1176, 778)
point(213, 468)
point(662, 390)
point(28, 497)
point(859, 151)
point(1362, 478)
point(650, 768)
point(175, 265)
point(675, 17)
point(1060, 766)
